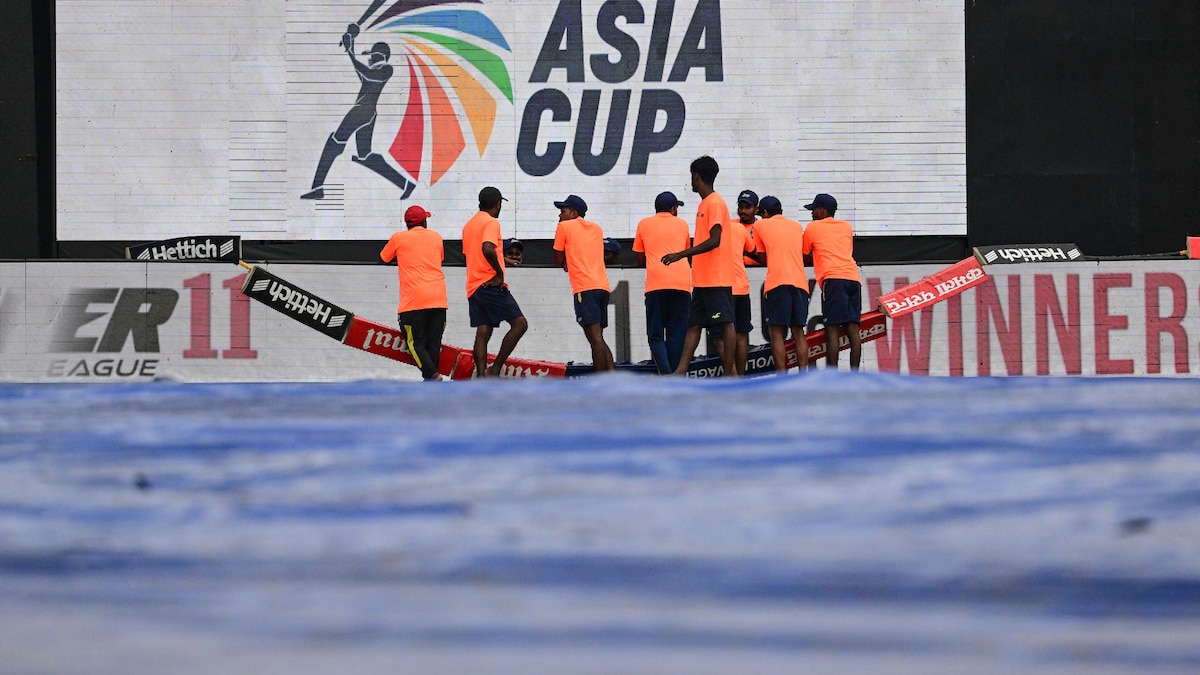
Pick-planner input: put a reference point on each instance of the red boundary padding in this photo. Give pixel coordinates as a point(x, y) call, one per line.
point(934, 288)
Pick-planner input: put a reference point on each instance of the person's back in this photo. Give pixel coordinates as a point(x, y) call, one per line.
point(583, 243)
point(418, 253)
point(657, 236)
point(782, 240)
point(831, 243)
point(482, 227)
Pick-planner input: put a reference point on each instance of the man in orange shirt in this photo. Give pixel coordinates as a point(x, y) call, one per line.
point(579, 249)
point(712, 269)
point(667, 288)
point(418, 254)
point(831, 244)
point(488, 298)
point(780, 243)
point(743, 247)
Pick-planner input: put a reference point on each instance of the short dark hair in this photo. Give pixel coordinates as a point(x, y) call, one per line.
point(706, 167)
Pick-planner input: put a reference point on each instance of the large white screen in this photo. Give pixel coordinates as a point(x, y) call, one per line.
point(212, 116)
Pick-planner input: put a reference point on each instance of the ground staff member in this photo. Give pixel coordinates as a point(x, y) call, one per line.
point(418, 254)
point(712, 269)
point(743, 246)
point(579, 249)
point(780, 243)
point(831, 244)
point(488, 298)
point(667, 288)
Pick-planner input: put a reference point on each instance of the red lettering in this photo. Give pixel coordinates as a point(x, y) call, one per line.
point(955, 335)
point(201, 347)
point(1106, 323)
point(902, 330)
point(239, 320)
point(1172, 324)
point(987, 312)
point(1067, 329)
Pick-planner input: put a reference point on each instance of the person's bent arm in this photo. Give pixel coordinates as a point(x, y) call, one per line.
point(713, 241)
point(489, 254)
point(560, 258)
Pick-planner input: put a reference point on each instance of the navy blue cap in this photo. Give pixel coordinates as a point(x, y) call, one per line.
point(509, 243)
point(823, 201)
point(573, 202)
point(748, 197)
point(770, 205)
point(612, 245)
point(665, 201)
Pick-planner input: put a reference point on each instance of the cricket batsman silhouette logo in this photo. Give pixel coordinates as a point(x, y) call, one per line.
point(453, 56)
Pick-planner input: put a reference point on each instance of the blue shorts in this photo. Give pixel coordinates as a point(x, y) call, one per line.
point(741, 314)
point(591, 307)
point(711, 306)
point(841, 302)
point(785, 305)
point(492, 305)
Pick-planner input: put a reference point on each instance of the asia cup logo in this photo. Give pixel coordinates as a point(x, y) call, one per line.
point(454, 59)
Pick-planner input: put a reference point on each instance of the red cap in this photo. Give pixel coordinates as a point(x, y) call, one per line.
point(415, 214)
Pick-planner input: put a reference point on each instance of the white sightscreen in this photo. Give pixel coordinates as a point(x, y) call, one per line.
point(212, 116)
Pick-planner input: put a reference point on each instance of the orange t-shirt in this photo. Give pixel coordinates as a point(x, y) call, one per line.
point(747, 261)
point(713, 268)
point(831, 243)
point(742, 244)
point(419, 254)
point(656, 236)
point(783, 241)
point(583, 242)
point(480, 228)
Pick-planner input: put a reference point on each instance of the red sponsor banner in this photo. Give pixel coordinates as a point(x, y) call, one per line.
point(933, 288)
point(872, 327)
point(455, 363)
point(378, 339)
point(464, 368)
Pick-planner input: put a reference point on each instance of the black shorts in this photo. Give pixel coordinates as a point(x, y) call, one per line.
point(841, 302)
point(711, 306)
point(785, 305)
point(492, 305)
point(741, 314)
point(591, 307)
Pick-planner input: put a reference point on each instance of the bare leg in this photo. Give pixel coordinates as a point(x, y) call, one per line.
point(852, 332)
point(482, 335)
point(602, 358)
point(516, 329)
point(690, 341)
point(831, 346)
point(779, 349)
point(729, 353)
point(743, 345)
point(800, 344)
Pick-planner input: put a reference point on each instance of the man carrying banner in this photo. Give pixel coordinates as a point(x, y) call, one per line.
point(488, 297)
point(830, 242)
point(418, 253)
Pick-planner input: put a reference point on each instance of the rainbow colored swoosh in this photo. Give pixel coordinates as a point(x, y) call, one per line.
point(451, 53)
